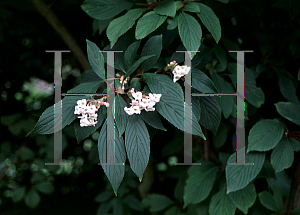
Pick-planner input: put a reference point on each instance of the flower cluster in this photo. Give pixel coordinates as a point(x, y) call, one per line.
point(88, 110)
point(142, 102)
point(122, 80)
point(178, 71)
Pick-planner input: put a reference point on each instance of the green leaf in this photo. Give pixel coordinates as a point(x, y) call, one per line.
point(134, 83)
point(283, 181)
point(83, 132)
point(210, 116)
point(210, 20)
point(137, 143)
point(171, 105)
point(130, 54)
point(166, 8)
point(122, 24)
point(289, 111)
point(221, 204)
point(239, 176)
point(118, 206)
point(88, 87)
point(89, 76)
point(133, 202)
point(156, 202)
point(37, 177)
point(254, 95)
point(103, 10)
point(104, 208)
point(295, 143)
point(152, 118)
point(32, 199)
point(26, 154)
point(135, 65)
point(282, 156)
point(100, 25)
point(191, 7)
point(96, 59)
point(45, 124)
point(148, 23)
point(220, 54)
point(243, 199)
point(190, 32)
point(121, 117)
point(199, 183)
point(221, 135)
point(45, 187)
point(172, 22)
point(264, 135)
point(104, 196)
point(277, 196)
point(152, 47)
point(266, 199)
point(226, 102)
point(201, 82)
point(114, 173)
point(196, 109)
point(18, 194)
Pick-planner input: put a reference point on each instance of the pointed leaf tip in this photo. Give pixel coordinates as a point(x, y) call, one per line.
point(140, 179)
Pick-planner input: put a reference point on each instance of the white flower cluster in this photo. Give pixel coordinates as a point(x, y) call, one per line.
point(142, 102)
point(123, 82)
point(180, 71)
point(88, 110)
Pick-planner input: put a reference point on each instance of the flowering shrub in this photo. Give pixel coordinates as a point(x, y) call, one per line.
point(149, 88)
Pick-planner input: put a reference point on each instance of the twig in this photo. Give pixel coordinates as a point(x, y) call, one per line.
point(69, 40)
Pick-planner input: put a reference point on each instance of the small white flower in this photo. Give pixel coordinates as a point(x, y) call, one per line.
point(176, 78)
point(134, 102)
point(93, 116)
point(136, 109)
point(91, 109)
point(186, 69)
point(150, 109)
point(137, 95)
point(156, 97)
point(129, 111)
point(81, 103)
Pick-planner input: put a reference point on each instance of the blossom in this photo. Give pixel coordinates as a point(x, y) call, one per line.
point(180, 71)
point(142, 102)
point(137, 95)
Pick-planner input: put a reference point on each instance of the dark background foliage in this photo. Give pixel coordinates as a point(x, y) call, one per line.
point(270, 28)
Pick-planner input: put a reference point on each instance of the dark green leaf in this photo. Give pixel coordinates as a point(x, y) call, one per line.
point(135, 65)
point(264, 135)
point(96, 59)
point(137, 142)
point(190, 32)
point(104, 196)
point(148, 23)
point(221, 204)
point(191, 7)
point(266, 199)
point(45, 187)
point(243, 199)
point(134, 83)
point(172, 22)
point(152, 118)
point(156, 202)
point(89, 76)
point(32, 199)
point(100, 25)
point(103, 10)
point(199, 183)
point(114, 173)
point(152, 47)
point(18, 194)
point(88, 87)
point(201, 82)
point(282, 156)
point(220, 54)
point(289, 111)
point(239, 176)
point(130, 54)
point(210, 115)
point(166, 7)
point(210, 20)
point(122, 24)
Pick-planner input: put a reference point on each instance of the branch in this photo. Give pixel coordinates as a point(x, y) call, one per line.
point(68, 39)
